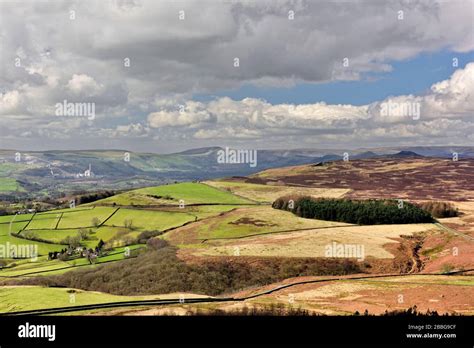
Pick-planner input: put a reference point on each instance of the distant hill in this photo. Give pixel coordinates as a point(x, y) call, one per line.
point(406, 154)
point(47, 172)
point(405, 175)
point(200, 151)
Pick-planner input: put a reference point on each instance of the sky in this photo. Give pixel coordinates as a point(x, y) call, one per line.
point(173, 75)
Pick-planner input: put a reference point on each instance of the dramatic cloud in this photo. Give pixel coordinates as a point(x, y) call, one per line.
point(446, 111)
point(141, 63)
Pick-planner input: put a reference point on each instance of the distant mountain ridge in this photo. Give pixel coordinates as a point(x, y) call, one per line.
point(404, 154)
point(56, 170)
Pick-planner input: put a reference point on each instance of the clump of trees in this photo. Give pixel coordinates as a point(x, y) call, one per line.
point(362, 212)
point(95, 222)
point(75, 241)
point(167, 197)
point(284, 202)
point(128, 223)
point(84, 233)
point(92, 197)
point(409, 312)
point(440, 209)
point(146, 236)
point(122, 238)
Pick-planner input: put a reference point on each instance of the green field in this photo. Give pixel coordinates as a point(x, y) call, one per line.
point(10, 184)
point(83, 218)
point(20, 298)
point(43, 248)
point(127, 199)
point(7, 239)
point(205, 211)
point(149, 219)
point(8, 168)
point(105, 233)
point(44, 221)
point(15, 218)
point(55, 236)
point(15, 227)
point(190, 193)
point(193, 193)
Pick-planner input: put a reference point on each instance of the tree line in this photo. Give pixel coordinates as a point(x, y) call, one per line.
point(362, 212)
